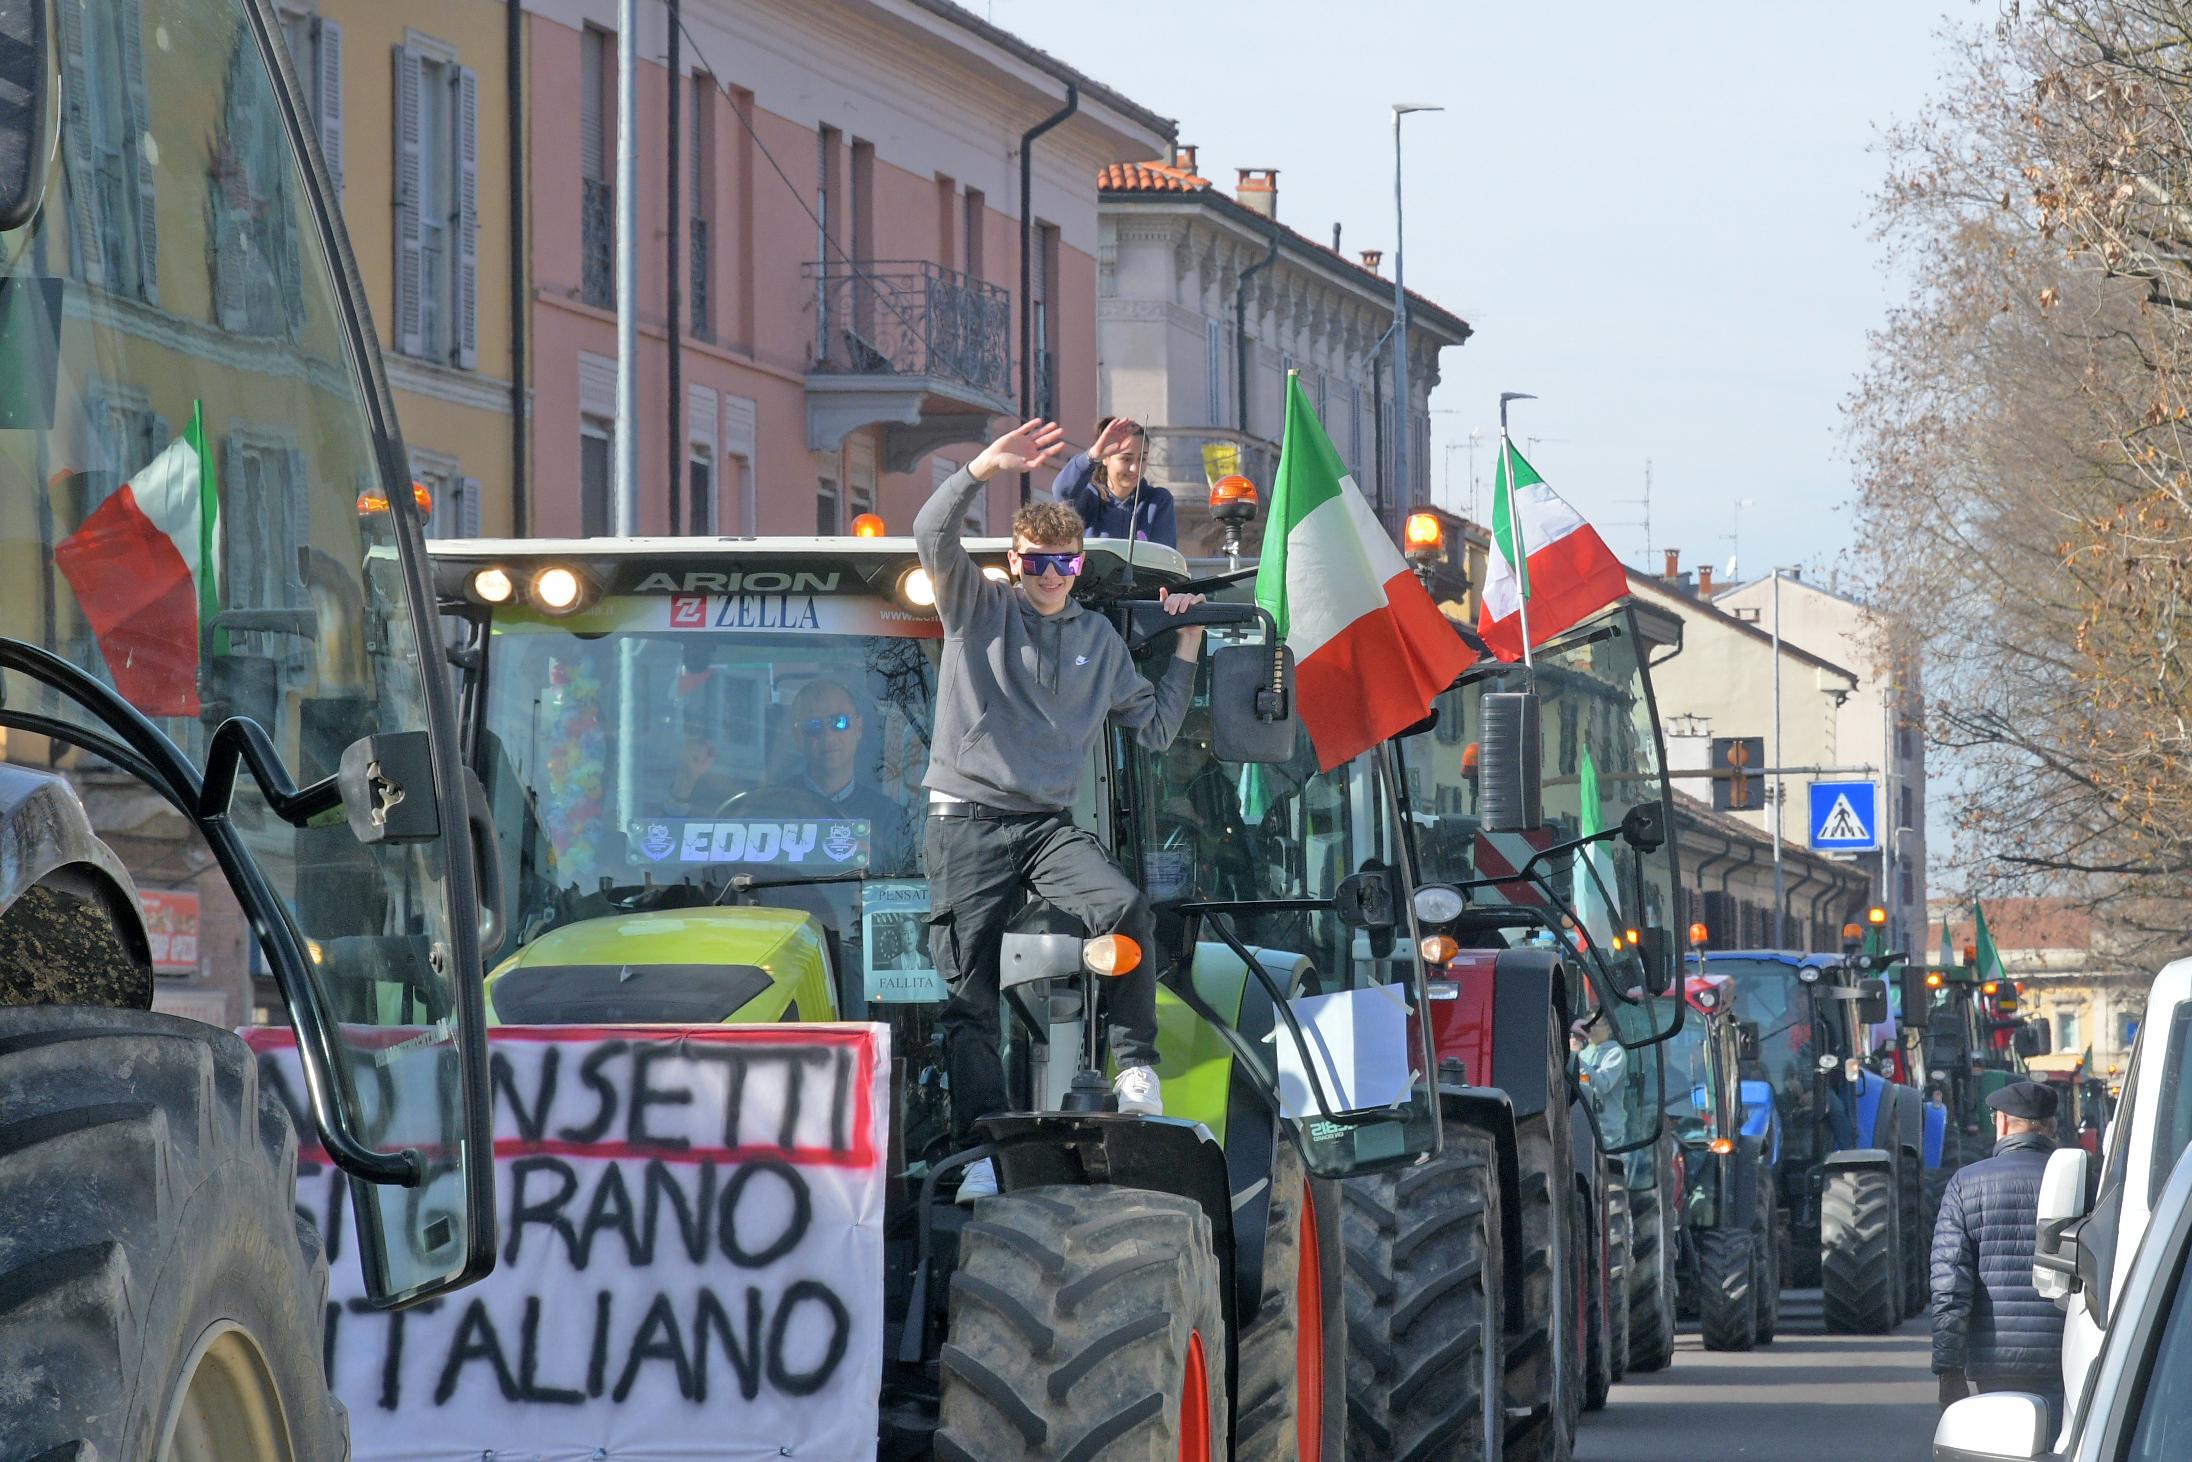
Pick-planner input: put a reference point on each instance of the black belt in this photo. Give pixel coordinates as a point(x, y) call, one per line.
point(986, 814)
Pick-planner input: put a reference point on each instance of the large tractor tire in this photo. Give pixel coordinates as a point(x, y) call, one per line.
point(1621, 1243)
point(1652, 1290)
point(1085, 1323)
point(1916, 1236)
point(1727, 1275)
point(160, 1296)
point(1293, 1384)
point(1425, 1308)
point(1544, 1381)
point(1858, 1281)
point(1766, 1240)
point(1594, 1277)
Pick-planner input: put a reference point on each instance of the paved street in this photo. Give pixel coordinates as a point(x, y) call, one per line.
point(1808, 1397)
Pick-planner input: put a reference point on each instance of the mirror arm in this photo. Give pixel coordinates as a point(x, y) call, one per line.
point(1279, 1003)
point(240, 741)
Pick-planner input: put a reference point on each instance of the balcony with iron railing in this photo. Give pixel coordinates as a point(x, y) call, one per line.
point(597, 240)
point(924, 349)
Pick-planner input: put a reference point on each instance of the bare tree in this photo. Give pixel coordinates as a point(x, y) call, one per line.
point(2024, 464)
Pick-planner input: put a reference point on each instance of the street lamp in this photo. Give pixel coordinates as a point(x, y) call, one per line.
point(1401, 423)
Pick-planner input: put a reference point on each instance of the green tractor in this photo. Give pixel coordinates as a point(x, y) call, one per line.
point(212, 687)
point(703, 761)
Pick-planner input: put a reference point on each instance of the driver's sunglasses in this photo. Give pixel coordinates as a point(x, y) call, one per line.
point(816, 725)
point(1035, 565)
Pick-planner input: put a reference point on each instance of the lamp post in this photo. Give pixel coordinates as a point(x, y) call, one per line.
point(1401, 422)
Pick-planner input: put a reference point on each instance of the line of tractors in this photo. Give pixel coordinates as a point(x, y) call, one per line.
point(1565, 1134)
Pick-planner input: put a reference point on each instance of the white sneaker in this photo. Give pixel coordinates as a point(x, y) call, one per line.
point(979, 1181)
point(1139, 1092)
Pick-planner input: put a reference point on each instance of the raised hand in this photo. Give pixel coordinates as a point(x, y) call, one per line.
point(1031, 445)
point(1117, 435)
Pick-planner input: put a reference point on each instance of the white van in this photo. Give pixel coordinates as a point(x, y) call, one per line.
point(2086, 1245)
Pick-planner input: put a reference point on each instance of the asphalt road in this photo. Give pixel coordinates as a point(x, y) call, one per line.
point(1808, 1397)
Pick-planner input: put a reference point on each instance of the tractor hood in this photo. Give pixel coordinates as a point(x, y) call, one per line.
point(678, 967)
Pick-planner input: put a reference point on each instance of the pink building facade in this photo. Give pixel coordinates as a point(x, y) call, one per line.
point(849, 261)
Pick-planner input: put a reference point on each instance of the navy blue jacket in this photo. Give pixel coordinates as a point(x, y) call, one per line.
point(1154, 517)
point(1988, 1320)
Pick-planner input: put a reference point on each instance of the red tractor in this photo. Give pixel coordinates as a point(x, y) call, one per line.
point(1491, 1291)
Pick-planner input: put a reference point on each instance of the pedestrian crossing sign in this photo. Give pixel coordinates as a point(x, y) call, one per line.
point(1845, 817)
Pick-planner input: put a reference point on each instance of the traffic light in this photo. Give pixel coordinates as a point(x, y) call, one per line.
point(1739, 783)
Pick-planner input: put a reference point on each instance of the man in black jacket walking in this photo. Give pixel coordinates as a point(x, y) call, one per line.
point(1991, 1329)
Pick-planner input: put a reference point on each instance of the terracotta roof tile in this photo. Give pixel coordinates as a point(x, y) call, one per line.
point(1149, 177)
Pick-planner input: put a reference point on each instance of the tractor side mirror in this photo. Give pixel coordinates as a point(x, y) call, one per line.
point(1746, 1040)
point(1872, 1001)
point(1644, 827)
point(2026, 1039)
point(1252, 704)
point(1658, 952)
point(1509, 795)
point(1365, 901)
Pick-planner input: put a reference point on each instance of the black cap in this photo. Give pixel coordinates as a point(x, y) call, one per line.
point(2029, 1100)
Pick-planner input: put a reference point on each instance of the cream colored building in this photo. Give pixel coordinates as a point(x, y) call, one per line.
point(2059, 955)
point(1207, 301)
point(1880, 724)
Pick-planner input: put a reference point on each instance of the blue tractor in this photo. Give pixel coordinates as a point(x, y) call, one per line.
point(1848, 1184)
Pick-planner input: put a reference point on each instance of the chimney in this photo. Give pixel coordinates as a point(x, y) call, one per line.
point(1258, 191)
point(1372, 258)
point(1704, 581)
point(1183, 156)
point(1674, 566)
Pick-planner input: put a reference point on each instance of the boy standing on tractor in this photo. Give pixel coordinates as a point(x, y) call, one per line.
point(1027, 682)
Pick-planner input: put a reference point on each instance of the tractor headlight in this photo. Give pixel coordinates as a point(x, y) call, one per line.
point(1438, 904)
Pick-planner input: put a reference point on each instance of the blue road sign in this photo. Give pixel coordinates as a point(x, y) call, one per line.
point(1845, 817)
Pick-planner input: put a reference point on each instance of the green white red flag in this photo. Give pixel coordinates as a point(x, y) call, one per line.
point(146, 567)
point(1989, 958)
point(1371, 650)
point(1545, 556)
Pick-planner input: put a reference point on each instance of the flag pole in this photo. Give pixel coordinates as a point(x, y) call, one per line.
point(1514, 521)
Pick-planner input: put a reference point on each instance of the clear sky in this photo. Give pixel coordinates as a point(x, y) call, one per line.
point(1655, 215)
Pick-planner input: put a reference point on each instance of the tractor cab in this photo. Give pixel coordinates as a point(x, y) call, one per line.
point(704, 759)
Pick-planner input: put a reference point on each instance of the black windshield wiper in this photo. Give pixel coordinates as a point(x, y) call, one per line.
point(746, 882)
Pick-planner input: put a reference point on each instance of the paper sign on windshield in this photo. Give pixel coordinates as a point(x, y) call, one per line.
point(798, 842)
point(691, 1263)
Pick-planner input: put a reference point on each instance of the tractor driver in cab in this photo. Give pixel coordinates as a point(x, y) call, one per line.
point(1028, 680)
point(827, 726)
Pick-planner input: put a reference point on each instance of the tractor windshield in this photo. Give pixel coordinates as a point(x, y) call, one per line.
point(639, 758)
point(1691, 1099)
point(197, 454)
point(1796, 1026)
point(1601, 758)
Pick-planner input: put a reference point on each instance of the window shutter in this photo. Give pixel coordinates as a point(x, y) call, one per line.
point(91, 252)
point(468, 507)
point(232, 263)
point(140, 170)
point(410, 279)
point(467, 218)
point(327, 60)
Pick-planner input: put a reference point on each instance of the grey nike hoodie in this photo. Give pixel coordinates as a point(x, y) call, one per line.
point(1022, 696)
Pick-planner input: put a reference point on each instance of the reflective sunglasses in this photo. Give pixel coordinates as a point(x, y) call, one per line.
point(1035, 565)
point(816, 725)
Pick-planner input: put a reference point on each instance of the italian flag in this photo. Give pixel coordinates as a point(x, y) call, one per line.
point(1545, 555)
point(145, 567)
point(1371, 650)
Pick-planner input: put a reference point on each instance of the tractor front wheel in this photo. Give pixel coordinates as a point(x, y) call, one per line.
point(1652, 1290)
point(164, 1297)
point(1085, 1322)
point(1292, 1385)
point(1425, 1307)
point(1858, 1278)
point(1727, 1273)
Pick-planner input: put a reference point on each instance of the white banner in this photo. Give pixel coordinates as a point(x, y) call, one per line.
point(691, 1262)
